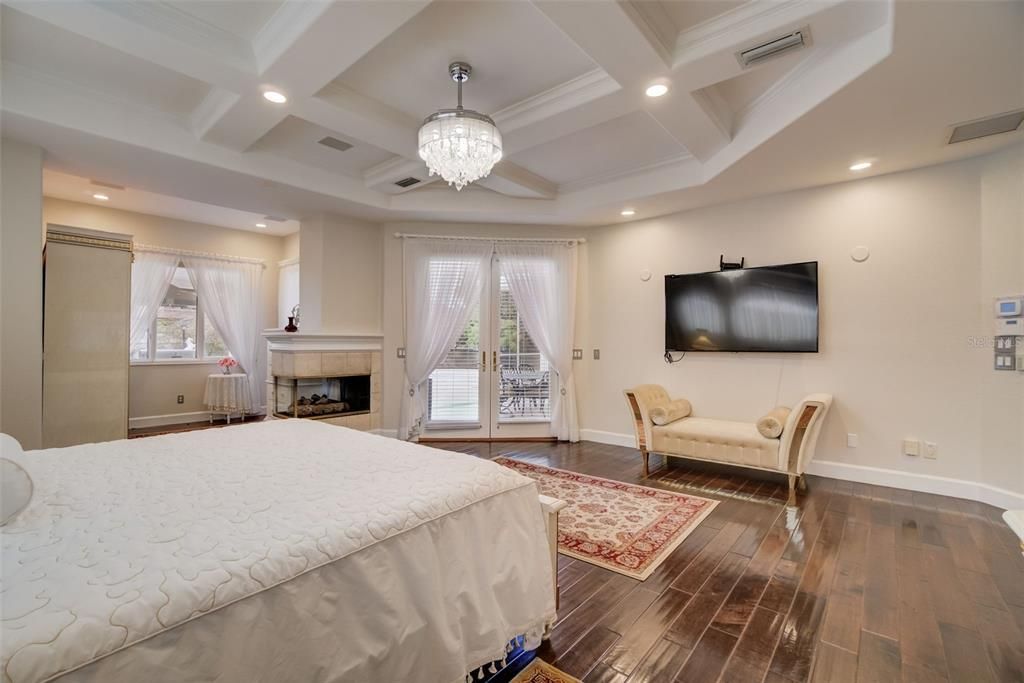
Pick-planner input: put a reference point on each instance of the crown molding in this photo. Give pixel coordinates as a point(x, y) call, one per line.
point(288, 24)
point(741, 22)
point(603, 178)
point(562, 97)
point(162, 17)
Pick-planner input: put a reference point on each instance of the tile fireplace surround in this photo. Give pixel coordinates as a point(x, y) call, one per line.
point(326, 354)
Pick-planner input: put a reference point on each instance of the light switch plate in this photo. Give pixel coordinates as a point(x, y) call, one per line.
point(400, 352)
point(851, 440)
point(931, 450)
point(597, 354)
point(577, 354)
point(911, 447)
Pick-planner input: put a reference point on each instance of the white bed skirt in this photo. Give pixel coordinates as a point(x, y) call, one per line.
point(371, 617)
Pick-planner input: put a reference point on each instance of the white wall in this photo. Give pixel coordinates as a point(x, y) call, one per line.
point(154, 389)
point(340, 275)
point(21, 292)
point(896, 331)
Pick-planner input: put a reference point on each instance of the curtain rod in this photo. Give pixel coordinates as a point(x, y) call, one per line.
point(198, 254)
point(407, 235)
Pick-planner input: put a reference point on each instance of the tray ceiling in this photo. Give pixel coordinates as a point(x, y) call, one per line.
point(166, 97)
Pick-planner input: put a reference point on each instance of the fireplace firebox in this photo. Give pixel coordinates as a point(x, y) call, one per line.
point(318, 398)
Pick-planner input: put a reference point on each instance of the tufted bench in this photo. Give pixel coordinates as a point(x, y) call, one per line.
point(727, 441)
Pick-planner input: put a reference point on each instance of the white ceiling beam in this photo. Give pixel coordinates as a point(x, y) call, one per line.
point(631, 53)
point(155, 33)
point(304, 47)
point(515, 181)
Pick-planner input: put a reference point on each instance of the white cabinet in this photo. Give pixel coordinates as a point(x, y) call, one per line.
point(86, 316)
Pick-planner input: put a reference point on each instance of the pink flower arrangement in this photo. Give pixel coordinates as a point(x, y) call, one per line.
point(226, 364)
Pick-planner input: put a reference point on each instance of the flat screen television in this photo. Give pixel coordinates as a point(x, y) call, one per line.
point(772, 309)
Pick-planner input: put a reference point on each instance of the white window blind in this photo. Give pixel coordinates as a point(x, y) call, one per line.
point(454, 386)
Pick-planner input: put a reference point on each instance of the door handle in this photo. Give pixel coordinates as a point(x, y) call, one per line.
point(483, 361)
point(494, 361)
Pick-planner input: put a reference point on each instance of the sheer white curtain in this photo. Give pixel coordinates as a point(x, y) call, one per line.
point(151, 275)
point(230, 294)
point(443, 279)
point(542, 280)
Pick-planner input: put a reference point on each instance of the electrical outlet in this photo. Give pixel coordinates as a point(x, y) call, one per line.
point(911, 447)
point(851, 441)
point(400, 352)
point(577, 354)
point(597, 354)
point(931, 450)
point(181, 398)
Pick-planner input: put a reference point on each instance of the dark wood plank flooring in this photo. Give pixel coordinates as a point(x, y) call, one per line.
point(855, 583)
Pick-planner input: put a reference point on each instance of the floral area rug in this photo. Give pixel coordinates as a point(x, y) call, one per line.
point(539, 671)
point(627, 528)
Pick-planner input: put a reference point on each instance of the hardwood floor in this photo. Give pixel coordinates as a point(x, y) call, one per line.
point(856, 583)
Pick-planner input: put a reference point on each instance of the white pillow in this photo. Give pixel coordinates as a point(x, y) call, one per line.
point(15, 484)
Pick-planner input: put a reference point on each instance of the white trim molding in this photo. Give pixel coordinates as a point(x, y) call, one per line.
point(164, 420)
point(322, 341)
point(911, 481)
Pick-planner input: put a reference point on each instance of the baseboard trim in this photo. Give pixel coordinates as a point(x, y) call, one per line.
point(174, 419)
point(164, 420)
point(911, 481)
point(925, 483)
point(610, 438)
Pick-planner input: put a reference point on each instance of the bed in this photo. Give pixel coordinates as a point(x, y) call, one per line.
point(287, 550)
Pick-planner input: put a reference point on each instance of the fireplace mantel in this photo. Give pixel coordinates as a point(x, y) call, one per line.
point(326, 355)
point(279, 340)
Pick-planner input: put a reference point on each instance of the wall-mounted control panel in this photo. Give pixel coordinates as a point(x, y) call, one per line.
point(1010, 307)
point(1008, 346)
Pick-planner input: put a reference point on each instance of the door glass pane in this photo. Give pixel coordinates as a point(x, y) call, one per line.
point(454, 386)
point(524, 374)
point(176, 319)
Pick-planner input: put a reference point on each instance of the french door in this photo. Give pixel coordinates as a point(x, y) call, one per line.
point(493, 383)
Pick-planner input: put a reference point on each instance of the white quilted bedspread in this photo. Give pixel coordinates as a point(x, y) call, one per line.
point(127, 539)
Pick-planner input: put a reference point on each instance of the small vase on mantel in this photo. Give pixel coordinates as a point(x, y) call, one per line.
point(291, 326)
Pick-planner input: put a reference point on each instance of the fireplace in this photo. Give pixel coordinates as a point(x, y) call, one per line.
point(324, 376)
point(321, 397)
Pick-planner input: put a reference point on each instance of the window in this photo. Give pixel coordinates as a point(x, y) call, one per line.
point(181, 330)
point(525, 379)
point(454, 387)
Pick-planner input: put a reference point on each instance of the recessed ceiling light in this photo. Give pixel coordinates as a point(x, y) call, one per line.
point(261, 225)
point(274, 96)
point(100, 196)
point(860, 166)
point(656, 90)
point(628, 212)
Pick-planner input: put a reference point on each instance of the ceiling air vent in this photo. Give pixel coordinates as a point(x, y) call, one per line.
point(335, 143)
point(407, 182)
point(773, 48)
point(990, 125)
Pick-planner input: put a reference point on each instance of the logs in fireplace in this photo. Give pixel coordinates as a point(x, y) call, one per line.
point(321, 397)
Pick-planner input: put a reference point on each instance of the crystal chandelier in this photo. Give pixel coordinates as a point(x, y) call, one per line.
point(460, 145)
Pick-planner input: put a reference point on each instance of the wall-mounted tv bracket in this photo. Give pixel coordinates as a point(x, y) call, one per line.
point(722, 265)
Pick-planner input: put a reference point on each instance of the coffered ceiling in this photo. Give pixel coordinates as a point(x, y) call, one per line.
point(166, 97)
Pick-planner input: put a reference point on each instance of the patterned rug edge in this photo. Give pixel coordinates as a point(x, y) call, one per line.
point(644, 575)
point(539, 666)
